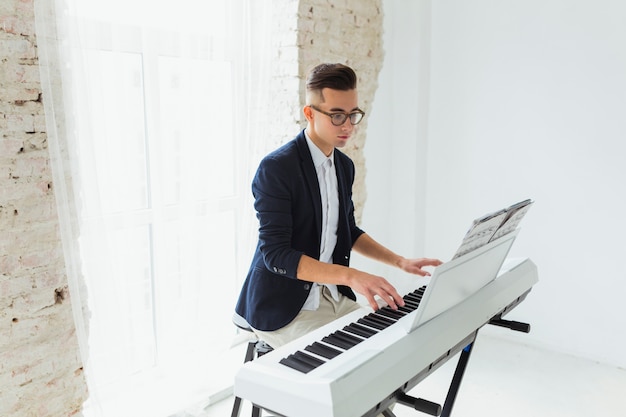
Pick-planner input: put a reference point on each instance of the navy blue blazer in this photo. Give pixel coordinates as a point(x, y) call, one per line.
point(289, 209)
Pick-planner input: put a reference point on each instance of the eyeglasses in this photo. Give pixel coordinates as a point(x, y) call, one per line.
point(339, 119)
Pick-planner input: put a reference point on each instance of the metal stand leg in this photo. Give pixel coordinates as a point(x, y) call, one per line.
point(456, 380)
point(237, 403)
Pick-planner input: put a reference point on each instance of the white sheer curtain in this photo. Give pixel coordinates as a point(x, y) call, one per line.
point(150, 109)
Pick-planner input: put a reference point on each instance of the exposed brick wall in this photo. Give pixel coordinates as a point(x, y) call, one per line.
point(40, 369)
point(349, 32)
point(309, 32)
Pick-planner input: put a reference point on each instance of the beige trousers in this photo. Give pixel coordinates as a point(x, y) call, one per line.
point(307, 321)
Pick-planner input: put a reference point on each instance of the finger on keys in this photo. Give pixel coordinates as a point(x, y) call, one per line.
point(372, 302)
point(397, 300)
point(391, 302)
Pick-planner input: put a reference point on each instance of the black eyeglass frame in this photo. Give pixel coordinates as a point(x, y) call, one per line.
point(344, 116)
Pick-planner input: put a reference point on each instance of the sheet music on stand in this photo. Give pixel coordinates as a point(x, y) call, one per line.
point(493, 226)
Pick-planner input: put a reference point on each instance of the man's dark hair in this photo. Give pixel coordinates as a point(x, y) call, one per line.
point(333, 76)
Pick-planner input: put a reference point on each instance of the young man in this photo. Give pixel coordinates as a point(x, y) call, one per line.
point(300, 277)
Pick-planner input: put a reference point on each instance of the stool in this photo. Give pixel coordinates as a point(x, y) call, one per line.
point(256, 348)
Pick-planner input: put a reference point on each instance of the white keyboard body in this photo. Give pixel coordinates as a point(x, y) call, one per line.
point(354, 382)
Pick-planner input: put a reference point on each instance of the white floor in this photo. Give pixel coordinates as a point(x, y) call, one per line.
point(508, 378)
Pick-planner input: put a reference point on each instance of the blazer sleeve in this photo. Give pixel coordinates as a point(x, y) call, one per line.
point(273, 190)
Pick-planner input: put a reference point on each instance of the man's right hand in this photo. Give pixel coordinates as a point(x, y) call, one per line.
point(368, 285)
point(371, 286)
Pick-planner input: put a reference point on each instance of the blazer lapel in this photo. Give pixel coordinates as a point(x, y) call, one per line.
point(342, 188)
point(310, 176)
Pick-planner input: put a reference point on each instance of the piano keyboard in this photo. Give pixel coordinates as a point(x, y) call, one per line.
point(334, 344)
point(360, 380)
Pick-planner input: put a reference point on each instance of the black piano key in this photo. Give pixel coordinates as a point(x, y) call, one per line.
point(417, 293)
point(412, 303)
point(412, 300)
point(295, 363)
point(332, 339)
point(421, 290)
point(371, 323)
point(360, 330)
point(413, 297)
point(392, 314)
point(322, 350)
point(381, 319)
point(311, 360)
point(348, 337)
point(397, 312)
point(406, 309)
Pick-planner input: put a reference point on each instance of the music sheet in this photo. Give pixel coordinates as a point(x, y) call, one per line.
point(493, 226)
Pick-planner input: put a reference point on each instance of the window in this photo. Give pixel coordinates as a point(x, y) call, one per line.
point(162, 198)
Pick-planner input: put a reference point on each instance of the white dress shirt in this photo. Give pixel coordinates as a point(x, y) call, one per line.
point(327, 178)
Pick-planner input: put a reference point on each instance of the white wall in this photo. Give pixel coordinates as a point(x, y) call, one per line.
point(395, 150)
point(526, 99)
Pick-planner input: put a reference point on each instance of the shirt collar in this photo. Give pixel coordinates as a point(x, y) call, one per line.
point(318, 156)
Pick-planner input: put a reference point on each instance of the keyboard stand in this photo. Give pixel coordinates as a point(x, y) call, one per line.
point(432, 408)
point(422, 405)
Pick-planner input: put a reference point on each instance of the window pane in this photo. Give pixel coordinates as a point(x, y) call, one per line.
point(118, 126)
point(122, 305)
point(196, 129)
point(194, 260)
